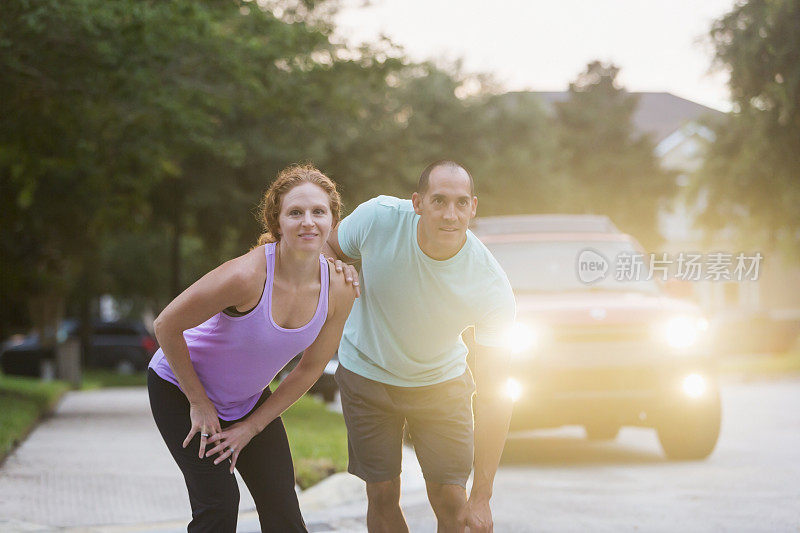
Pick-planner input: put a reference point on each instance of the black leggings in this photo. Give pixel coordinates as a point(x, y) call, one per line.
point(265, 465)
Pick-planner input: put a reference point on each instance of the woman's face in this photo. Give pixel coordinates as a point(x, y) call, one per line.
point(305, 218)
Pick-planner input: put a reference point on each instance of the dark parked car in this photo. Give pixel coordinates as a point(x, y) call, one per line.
point(125, 346)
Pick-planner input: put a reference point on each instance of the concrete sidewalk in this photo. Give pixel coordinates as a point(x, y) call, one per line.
point(99, 465)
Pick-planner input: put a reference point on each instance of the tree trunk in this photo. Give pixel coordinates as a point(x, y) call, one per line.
point(175, 249)
point(47, 311)
point(85, 333)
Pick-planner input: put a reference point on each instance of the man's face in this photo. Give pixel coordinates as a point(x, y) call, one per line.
point(445, 209)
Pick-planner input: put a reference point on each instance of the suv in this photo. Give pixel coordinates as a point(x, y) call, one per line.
point(606, 353)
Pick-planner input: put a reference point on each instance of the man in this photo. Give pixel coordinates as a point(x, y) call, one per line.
point(425, 278)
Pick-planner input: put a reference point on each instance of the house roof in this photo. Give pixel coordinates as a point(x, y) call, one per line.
point(658, 114)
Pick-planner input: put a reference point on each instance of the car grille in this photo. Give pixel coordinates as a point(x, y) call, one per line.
point(598, 379)
point(602, 333)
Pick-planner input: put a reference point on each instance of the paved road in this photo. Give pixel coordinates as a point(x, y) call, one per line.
point(99, 466)
point(557, 481)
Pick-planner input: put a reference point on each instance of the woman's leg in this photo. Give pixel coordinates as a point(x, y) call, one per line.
point(265, 465)
point(213, 492)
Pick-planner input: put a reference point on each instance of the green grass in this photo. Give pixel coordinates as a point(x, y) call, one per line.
point(97, 379)
point(318, 440)
point(23, 401)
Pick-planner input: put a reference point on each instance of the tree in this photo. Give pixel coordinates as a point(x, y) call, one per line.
point(59, 163)
point(410, 114)
point(611, 169)
point(752, 170)
point(513, 156)
point(136, 137)
point(125, 117)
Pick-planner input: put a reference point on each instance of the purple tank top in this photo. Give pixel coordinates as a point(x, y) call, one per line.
point(237, 357)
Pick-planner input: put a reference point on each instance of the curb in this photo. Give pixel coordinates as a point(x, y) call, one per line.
point(339, 489)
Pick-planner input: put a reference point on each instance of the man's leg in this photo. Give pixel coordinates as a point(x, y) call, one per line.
point(440, 422)
point(374, 445)
point(447, 502)
point(383, 508)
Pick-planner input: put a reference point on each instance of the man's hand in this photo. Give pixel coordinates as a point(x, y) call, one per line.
point(349, 271)
point(477, 515)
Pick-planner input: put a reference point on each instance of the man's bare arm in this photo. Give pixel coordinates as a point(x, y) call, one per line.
point(333, 252)
point(492, 415)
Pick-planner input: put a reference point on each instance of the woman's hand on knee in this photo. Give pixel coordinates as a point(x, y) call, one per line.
point(205, 421)
point(229, 443)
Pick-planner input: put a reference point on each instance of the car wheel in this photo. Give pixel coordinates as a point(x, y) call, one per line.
point(601, 431)
point(691, 432)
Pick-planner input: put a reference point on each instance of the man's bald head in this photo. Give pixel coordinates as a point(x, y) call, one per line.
point(424, 178)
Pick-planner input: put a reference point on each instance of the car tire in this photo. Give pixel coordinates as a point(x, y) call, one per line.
point(598, 432)
point(691, 432)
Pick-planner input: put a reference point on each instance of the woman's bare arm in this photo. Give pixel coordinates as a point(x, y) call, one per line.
point(231, 284)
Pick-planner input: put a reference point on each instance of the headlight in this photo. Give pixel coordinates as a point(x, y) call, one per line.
point(521, 338)
point(683, 331)
point(513, 389)
point(694, 385)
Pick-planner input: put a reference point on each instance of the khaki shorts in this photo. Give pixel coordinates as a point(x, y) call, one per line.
point(439, 419)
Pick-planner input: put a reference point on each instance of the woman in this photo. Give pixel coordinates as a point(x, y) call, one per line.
point(226, 337)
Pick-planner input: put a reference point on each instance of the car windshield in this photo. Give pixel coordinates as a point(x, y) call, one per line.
point(552, 266)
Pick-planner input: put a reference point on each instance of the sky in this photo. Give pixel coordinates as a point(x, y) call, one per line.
point(542, 46)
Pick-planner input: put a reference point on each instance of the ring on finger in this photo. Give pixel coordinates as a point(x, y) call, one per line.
point(206, 435)
point(231, 449)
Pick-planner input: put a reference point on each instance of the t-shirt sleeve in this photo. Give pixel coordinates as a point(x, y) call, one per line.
point(355, 228)
point(492, 330)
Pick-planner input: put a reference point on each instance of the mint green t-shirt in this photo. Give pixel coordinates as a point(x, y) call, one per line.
point(405, 329)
